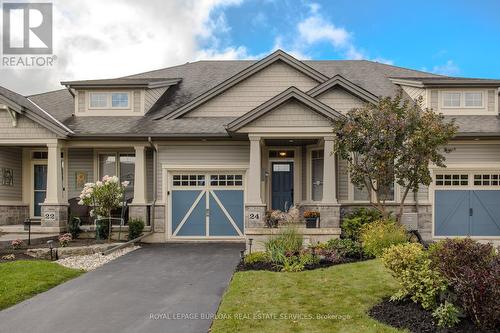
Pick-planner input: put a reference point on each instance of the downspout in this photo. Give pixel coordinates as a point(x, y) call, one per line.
point(155, 185)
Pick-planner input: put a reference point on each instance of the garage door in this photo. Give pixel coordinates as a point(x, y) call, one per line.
point(207, 205)
point(473, 211)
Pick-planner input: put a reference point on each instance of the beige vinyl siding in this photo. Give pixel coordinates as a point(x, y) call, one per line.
point(289, 115)
point(79, 159)
point(434, 102)
point(201, 155)
point(415, 93)
point(341, 100)
point(12, 158)
point(254, 91)
point(473, 154)
point(25, 129)
point(137, 101)
point(343, 180)
point(490, 100)
point(82, 100)
point(151, 96)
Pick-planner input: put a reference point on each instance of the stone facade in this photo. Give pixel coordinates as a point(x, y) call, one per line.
point(11, 215)
point(138, 212)
point(159, 222)
point(255, 216)
point(329, 214)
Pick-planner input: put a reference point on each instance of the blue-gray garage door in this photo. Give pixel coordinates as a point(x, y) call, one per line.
point(207, 205)
point(467, 213)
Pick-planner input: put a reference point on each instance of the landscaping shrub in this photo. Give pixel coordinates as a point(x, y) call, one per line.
point(74, 227)
point(473, 272)
point(286, 244)
point(381, 234)
point(351, 226)
point(135, 228)
point(345, 248)
point(297, 263)
point(446, 315)
point(64, 239)
point(411, 266)
point(256, 257)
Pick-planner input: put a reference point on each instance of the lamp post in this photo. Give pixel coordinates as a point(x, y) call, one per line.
point(27, 227)
point(250, 241)
point(51, 246)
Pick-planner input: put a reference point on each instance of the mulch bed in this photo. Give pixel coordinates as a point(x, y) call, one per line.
point(267, 266)
point(411, 316)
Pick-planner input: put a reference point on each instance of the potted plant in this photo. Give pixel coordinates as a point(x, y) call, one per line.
point(312, 219)
point(273, 218)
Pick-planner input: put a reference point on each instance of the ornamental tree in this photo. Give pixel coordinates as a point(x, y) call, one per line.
point(394, 140)
point(103, 196)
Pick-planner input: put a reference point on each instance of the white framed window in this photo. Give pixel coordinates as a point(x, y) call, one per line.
point(121, 165)
point(317, 167)
point(119, 100)
point(446, 179)
point(98, 100)
point(473, 99)
point(109, 100)
point(451, 99)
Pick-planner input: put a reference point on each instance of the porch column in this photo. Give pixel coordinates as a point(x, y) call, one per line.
point(54, 175)
point(254, 172)
point(329, 181)
point(54, 209)
point(140, 176)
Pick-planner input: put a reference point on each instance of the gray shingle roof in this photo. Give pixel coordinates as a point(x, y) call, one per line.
point(123, 82)
point(477, 125)
point(200, 76)
point(452, 81)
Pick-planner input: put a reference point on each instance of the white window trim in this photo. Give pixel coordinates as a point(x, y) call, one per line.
point(109, 104)
point(117, 153)
point(462, 99)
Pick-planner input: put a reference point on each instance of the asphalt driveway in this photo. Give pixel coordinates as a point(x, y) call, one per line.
point(160, 288)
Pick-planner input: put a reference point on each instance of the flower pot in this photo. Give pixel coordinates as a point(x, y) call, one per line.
point(311, 222)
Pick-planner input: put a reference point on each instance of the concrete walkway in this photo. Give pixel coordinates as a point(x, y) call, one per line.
point(160, 288)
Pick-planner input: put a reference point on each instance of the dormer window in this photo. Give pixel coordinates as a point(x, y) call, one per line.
point(112, 100)
point(463, 99)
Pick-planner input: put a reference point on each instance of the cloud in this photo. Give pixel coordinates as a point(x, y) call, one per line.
point(101, 39)
point(449, 68)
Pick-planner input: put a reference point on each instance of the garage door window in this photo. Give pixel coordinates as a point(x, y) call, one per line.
point(452, 180)
point(188, 180)
point(486, 179)
point(226, 180)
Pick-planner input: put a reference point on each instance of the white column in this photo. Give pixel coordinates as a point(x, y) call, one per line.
point(54, 175)
point(140, 175)
point(329, 181)
point(254, 172)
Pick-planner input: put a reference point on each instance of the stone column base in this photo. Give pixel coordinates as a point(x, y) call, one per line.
point(139, 212)
point(54, 217)
point(160, 221)
point(255, 215)
point(329, 214)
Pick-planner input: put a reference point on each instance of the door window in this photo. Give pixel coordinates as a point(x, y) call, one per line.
point(39, 188)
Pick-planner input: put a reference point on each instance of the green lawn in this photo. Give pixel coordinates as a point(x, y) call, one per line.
point(23, 279)
point(261, 301)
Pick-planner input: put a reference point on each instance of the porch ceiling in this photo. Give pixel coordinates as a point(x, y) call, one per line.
point(290, 142)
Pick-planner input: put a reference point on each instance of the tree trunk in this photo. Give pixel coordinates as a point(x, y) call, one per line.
point(109, 226)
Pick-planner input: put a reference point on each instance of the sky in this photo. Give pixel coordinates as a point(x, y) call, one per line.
point(103, 39)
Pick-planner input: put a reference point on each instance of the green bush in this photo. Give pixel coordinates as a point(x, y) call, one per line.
point(345, 248)
point(286, 244)
point(351, 226)
point(411, 266)
point(297, 263)
point(446, 315)
point(74, 227)
point(135, 228)
point(256, 257)
point(381, 234)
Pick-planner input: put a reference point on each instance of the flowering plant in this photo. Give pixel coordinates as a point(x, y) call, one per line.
point(64, 239)
point(103, 196)
point(17, 243)
point(311, 214)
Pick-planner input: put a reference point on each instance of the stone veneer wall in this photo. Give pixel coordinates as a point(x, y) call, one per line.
point(10, 215)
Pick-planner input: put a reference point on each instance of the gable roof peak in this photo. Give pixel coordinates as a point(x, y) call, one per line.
point(339, 80)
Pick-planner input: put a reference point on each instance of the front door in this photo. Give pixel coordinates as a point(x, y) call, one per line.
point(282, 185)
point(39, 187)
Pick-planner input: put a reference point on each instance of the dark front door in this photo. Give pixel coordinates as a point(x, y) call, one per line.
point(282, 185)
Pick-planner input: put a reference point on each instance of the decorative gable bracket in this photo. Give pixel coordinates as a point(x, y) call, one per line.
point(12, 114)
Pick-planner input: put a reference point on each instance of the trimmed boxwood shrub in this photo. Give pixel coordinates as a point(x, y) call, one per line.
point(135, 228)
point(354, 221)
point(345, 248)
point(473, 273)
point(381, 234)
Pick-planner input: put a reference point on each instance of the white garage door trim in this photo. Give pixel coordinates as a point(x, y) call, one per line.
point(169, 170)
point(473, 183)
